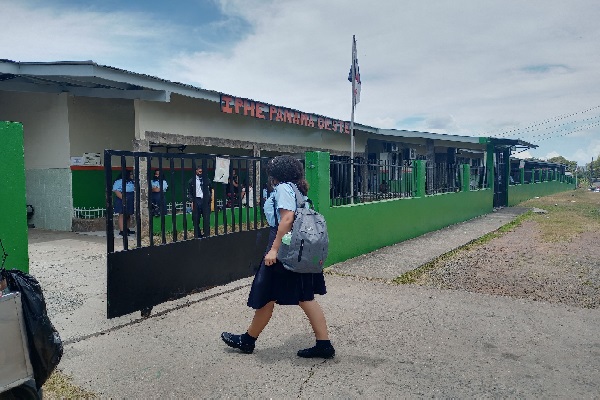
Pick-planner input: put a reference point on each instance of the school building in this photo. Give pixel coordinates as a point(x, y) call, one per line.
point(72, 111)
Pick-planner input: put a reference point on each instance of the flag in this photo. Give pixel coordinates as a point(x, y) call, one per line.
point(354, 67)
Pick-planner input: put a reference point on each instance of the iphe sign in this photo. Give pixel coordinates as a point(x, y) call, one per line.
point(268, 112)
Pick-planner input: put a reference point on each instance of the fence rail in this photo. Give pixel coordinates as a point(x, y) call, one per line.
point(373, 181)
point(231, 209)
point(478, 178)
point(442, 178)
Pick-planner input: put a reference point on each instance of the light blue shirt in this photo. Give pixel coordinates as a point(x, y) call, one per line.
point(165, 186)
point(284, 197)
point(118, 186)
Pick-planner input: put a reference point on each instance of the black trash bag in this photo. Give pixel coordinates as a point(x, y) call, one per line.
point(45, 345)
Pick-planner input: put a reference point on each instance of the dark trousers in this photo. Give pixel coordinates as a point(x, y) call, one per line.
point(197, 212)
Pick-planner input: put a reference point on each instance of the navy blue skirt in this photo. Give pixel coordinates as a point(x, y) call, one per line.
point(275, 283)
point(118, 208)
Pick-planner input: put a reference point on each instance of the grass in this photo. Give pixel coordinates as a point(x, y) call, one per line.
point(61, 386)
point(413, 276)
point(569, 214)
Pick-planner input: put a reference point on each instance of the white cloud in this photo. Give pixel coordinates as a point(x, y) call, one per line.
point(119, 39)
point(451, 67)
point(550, 155)
point(524, 154)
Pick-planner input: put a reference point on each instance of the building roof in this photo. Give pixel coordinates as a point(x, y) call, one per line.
point(88, 79)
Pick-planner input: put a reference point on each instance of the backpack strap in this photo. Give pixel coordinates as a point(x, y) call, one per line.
point(300, 202)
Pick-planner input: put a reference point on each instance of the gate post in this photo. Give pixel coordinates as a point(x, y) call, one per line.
point(143, 145)
point(420, 168)
point(13, 229)
point(316, 170)
point(465, 177)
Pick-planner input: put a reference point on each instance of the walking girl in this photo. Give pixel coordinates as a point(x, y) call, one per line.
point(273, 283)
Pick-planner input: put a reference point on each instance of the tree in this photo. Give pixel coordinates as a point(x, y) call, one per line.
point(594, 168)
point(571, 165)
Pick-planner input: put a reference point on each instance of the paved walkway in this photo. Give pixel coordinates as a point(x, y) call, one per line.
point(391, 341)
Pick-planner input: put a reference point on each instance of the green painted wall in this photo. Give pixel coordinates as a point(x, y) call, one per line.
point(13, 218)
point(88, 186)
point(361, 228)
point(156, 225)
point(520, 193)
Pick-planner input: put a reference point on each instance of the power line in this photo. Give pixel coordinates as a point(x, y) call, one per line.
point(552, 119)
point(568, 133)
point(524, 134)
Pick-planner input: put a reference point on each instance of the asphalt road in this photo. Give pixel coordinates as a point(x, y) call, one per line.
point(391, 341)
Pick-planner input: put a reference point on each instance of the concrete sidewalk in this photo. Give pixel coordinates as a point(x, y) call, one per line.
point(391, 341)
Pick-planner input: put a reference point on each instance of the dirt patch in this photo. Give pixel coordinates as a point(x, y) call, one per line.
point(521, 264)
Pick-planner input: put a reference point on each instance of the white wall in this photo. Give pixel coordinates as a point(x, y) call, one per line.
point(45, 126)
point(194, 117)
point(46, 141)
point(98, 124)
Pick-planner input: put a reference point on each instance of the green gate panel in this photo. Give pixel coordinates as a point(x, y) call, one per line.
point(13, 219)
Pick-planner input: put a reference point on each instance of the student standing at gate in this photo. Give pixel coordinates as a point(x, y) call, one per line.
point(199, 198)
point(157, 183)
point(129, 199)
point(273, 283)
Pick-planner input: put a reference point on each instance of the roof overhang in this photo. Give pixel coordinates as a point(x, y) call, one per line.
point(513, 143)
point(428, 135)
point(89, 79)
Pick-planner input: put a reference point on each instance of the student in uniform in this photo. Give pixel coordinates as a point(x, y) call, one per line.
point(129, 199)
point(158, 206)
point(273, 283)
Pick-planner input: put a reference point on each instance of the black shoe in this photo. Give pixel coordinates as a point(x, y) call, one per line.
point(121, 233)
point(130, 232)
point(317, 352)
point(235, 341)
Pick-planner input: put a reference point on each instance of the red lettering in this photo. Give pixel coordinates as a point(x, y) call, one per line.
point(297, 118)
point(272, 113)
point(279, 115)
point(328, 124)
point(311, 121)
point(321, 123)
point(225, 104)
point(335, 125)
point(304, 119)
point(289, 116)
point(238, 104)
point(347, 128)
point(249, 108)
point(259, 111)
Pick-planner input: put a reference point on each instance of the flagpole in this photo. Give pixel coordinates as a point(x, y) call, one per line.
point(352, 120)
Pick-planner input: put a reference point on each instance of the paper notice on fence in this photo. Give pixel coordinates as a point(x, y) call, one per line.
point(221, 170)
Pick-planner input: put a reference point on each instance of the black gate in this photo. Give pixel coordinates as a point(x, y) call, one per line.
point(501, 175)
point(166, 258)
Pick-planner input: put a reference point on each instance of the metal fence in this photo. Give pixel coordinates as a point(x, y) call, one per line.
point(373, 180)
point(442, 178)
point(478, 178)
point(234, 208)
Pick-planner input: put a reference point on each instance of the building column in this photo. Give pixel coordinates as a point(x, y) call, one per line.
point(316, 170)
point(142, 173)
point(420, 168)
point(465, 177)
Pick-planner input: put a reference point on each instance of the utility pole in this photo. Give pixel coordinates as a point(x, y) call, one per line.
point(592, 171)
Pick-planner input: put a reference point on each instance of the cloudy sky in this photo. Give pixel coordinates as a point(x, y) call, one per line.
point(506, 68)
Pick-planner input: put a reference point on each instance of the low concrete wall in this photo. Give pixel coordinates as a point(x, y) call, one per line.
point(520, 193)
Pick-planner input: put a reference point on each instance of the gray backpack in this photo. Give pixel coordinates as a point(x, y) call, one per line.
point(309, 242)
